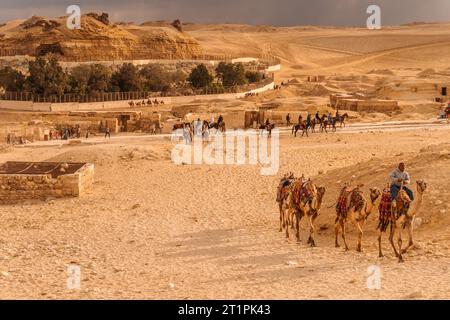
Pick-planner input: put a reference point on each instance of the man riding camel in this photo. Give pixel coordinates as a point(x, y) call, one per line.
point(399, 177)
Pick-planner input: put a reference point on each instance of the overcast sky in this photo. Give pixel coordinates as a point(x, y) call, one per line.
point(273, 12)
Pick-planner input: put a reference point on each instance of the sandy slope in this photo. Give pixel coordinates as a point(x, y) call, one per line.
point(155, 230)
point(305, 50)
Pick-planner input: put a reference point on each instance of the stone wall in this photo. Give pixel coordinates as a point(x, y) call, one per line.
point(17, 187)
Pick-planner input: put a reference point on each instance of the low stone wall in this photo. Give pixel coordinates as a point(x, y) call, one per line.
point(16, 187)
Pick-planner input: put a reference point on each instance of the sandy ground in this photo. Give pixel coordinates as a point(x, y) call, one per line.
point(155, 230)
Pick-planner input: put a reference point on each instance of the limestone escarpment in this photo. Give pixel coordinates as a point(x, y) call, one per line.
point(98, 39)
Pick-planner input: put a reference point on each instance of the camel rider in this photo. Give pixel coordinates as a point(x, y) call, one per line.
point(317, 116)
point(220, 120)
point(400, 177)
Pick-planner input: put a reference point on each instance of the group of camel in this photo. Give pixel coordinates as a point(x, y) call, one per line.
point(144, 103)
point(324, 123)
point(300, 198)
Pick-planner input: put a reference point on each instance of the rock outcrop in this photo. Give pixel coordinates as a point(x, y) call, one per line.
point(98, 39)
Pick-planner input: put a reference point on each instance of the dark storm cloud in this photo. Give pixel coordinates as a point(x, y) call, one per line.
point(280, 12)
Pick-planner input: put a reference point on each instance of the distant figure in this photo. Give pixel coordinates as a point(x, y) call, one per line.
point(198, 127)
point(88, 132)
point(318, 117)
point(300, 119)
point(288, 120)
point(107, 132)
point(308, 121)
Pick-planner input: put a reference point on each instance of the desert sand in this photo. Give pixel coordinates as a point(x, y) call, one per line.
point(152, 229)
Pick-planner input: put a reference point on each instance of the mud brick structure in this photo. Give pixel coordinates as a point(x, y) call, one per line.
point(42, 180)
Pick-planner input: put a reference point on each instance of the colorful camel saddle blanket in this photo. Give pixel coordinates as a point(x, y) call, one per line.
point(303, 192)
point(349, 198)
point(283, 190)
point(385, 209)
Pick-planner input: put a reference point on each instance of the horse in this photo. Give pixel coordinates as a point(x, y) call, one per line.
point(300, 126)
point(341, 120)
point(268, 128)
point(218, 126)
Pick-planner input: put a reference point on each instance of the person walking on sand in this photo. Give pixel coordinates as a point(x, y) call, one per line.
point(107, 132)
point(288, 120)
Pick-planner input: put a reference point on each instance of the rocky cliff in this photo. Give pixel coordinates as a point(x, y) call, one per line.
point(98, 39)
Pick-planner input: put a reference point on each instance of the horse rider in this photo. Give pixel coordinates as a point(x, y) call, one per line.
point(300, 119)
point(317, 116)
point(400, 178)
point(330, 118)
point(220, 120)
point(308, 120)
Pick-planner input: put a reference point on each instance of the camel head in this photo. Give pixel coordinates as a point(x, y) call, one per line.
point(421, 186)
point(375, 193)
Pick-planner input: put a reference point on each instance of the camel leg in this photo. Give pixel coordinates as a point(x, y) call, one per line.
point(400, 242)
point(380, 253)
point(343, 234)
point(359, 226)
point(311, 230)
point(281, 216)
point(336, 234)
point(297, 225)
point(410, 237)
point(287, 223)
point(391, 238)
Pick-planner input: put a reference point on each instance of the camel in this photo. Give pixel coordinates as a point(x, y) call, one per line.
point(304, 199)
point(352, 205)
point(399, 217)
point(300, 126)
point(282, 196)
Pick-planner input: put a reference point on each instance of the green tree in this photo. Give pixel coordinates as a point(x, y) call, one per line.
point(11, 79)
point(90, 79)
point(253, 76)
point(200, 77)
point(231, 74)
point(127, 78)
point(46, 77)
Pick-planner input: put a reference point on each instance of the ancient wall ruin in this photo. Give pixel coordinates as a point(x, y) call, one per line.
point(35, 182)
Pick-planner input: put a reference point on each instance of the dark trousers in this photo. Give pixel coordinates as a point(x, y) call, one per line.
point(395, 189)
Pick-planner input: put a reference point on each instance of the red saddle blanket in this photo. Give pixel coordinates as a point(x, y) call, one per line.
point(349, 198)
point(385, 204)
point(302, 192)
